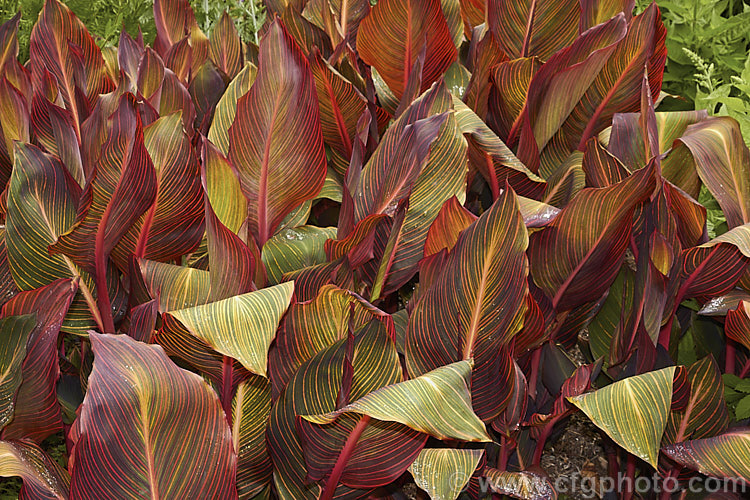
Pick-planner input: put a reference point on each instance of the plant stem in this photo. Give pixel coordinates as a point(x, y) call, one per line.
point(629, 478)
point(535, 359)
point(502, 462)
point(226, 388)
point(546, 431)
point(346, 453)
point(730, 357)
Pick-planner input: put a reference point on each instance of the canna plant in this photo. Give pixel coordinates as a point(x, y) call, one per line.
point(362, 253)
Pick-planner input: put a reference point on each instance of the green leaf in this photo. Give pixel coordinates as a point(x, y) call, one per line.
point(444, 473)
point(294, 248)
point(176, 287)
point(14, 332)
point(241, 327)
point(525, 485)
point(250, 409)
point(633, 411)
point(436, 403)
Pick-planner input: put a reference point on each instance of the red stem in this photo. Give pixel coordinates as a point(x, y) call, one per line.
point(502, 463)
point(546, 431)
point(730, 357)
point(226, 388)
point(346, 452)
point(102, 293)
point(535, 359)
point(665, 493)
point(630, 478)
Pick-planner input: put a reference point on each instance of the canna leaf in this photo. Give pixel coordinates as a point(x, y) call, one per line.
point(721, 456)
point(37, 414)
point(293, 249)
point(60, 44)
point(592, 233)
point(222, 188)
point(43, 478)
point(14, 331)
point(225, 46)
point(705, 413)
point(436, 403)
point(406, 27)
point(633, 411)
point(42, 199)
point(251, 407)
point(444, 472)
point(242, 326)
point(533, 27)
point(226, 108)
point(137, 398)
point(447, 226)
point(526, 485)
point(276, 143)
point(737, 324)
point(723, 163)
point(173, 225)
point(176, 287)
point(477, 303)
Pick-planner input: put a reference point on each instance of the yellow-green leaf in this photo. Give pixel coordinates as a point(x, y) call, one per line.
point(443, 473)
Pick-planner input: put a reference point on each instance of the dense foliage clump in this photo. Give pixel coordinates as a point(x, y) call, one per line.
point(383, 247)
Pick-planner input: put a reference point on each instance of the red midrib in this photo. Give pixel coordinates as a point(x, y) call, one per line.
point(262, 210)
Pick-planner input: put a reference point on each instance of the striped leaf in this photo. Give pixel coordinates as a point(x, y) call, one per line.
point(422, 156)
point(595, 12)
point(250, 409)
point(526, 485)
point(737, 324)
point(569, 106)
point(725, 455)
point(633, 411)
point(14, 125)
point(241, 327)
point(43, 478)
point(484, 55)
point(341, 106)
point(226, 108)
point(14, 331)
point(176, 287)
point(173, 225)
point(407, 28)
point(315, 388)
point(533, 27)
point(489, 156)
point(588, 240)
point(723, 163)
point(436, 403)
point(476, 304)
point(61, 44)
point(276, 143)
point(37, 413)
point(705, 413)
point(147, 427)
point(225, 47)
point(510, 80)
point(293, 249)
point(311, 326)
point(111, 205)
point(222, 188)
point(42, 199)
point(176, 28)
point(715, 267)
point(445, 229)
point(444, 472)
point(231, 263)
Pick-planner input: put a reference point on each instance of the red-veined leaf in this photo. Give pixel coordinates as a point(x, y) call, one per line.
point(705, 413)
point(715, 267)
point(725, 455)
point(595, 12)
point(308, 35)
point(147, 427)
point(14, 331)
point(533, 27)
point(484, 55)
point(175, 21)
point(226, 108)
point(276, 143)
point(588, 240)
point(111, 206)
point(444, 472)
point(42, 199)
point(723, 163)
point(206, 89)
point(225, 46)
point(173, 225)
point(444, 230)
point(37, 414)
point(14, 125)
point(526, 485)
point(61, 45)
point(176, 287)
point(406, 27)
point(507, 98)
point(476, 304)
point(293, 249)
point(143, 321)
point(43, 478)
point(737, 324)
point(222, 187)
point(250, 409)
